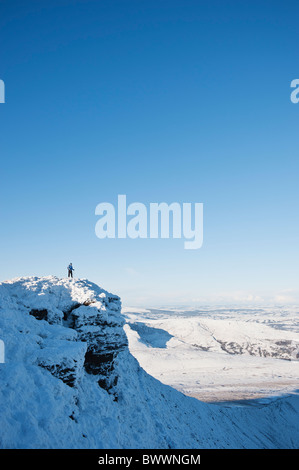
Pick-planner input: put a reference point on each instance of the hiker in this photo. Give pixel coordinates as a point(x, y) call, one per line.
point(70, 270)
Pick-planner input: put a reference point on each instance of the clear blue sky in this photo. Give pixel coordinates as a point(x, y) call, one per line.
point(185, 101)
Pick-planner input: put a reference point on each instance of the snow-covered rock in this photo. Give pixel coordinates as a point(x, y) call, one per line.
point(88, 332)
point(70, 381)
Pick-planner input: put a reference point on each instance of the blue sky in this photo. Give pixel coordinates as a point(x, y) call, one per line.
point(185, 101)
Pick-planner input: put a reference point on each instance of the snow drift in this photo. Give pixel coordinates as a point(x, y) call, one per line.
point(70, 381)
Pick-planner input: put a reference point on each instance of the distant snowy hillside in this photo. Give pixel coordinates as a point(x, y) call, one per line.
point(70, 381)
point(218, 354)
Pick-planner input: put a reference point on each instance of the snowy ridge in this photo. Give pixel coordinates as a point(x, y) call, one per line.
point(218, 354)
point(70, 381)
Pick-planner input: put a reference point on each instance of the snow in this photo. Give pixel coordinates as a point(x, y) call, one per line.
point(216, 355)
point(39, 408)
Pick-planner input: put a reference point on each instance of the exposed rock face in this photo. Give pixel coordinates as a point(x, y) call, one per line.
point(39, 314)
point(65, 363)
point(93, 335)
point(105, 338)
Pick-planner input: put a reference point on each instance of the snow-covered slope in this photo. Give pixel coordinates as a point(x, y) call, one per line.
point(218, 354)
point(70, 381)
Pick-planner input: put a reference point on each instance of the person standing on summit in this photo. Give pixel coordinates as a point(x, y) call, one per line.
point(70, 270)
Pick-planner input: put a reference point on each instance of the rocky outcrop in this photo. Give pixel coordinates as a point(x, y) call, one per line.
point(93, 324)
point(65, 361)
point(104, 337)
